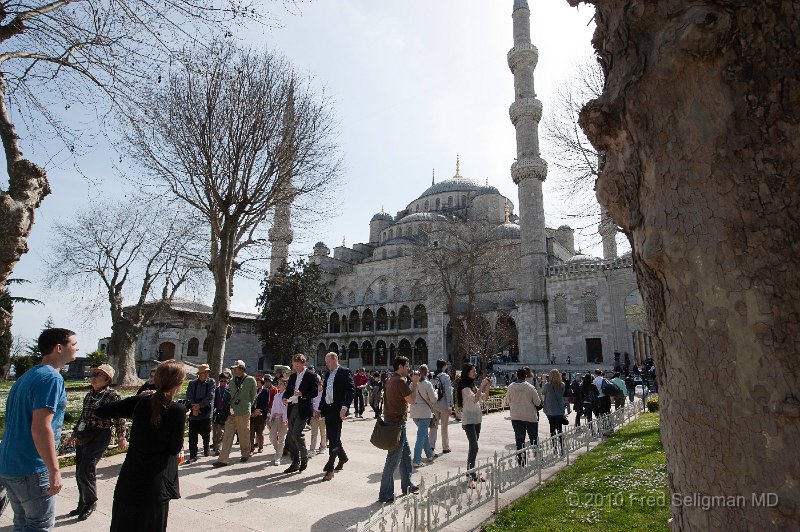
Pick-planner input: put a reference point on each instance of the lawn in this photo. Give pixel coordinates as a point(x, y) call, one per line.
point(619, 485)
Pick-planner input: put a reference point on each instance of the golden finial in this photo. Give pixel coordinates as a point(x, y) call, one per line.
point(433, 176)
point(458, 167)
point(344, 245)
point(508, 212)
point(487, 181)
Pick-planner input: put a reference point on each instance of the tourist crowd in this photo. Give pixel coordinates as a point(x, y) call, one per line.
point(242, 407)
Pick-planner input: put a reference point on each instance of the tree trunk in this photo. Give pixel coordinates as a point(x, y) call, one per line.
point(27, 187)
point(222, 269)
point(122, 351)
point(700, 124)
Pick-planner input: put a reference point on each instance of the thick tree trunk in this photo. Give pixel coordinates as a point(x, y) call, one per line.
point(27, 187)
point(700, 124)
point(122, 352)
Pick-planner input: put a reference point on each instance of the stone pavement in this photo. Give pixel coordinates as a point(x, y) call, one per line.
point(251, 496)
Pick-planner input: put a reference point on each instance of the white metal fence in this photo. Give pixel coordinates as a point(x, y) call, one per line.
point(444, 501)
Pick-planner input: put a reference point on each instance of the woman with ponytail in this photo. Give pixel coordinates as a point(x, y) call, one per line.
point(149, 476)
point(469, 397)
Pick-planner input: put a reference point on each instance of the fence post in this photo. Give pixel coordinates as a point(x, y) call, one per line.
point(539, 461)
point(566, 446)
point(496, 484)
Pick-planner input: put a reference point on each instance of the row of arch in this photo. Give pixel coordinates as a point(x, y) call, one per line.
point(379, 354)
point(381, 320)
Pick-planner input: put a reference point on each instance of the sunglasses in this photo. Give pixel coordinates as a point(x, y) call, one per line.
point(97, 374)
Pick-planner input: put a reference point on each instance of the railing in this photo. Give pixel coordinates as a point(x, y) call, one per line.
point(444, 501)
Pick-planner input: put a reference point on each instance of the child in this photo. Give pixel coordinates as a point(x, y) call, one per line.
point(317, 422)
point(278, 423)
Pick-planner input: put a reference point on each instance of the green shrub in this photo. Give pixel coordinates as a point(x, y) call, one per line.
point(652, 403)
point(496, 391)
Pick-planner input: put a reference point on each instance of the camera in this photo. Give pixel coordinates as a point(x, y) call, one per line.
point(236, 402)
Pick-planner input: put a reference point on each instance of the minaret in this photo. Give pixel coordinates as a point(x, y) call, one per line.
point(281, 235)
point(528, 172)
point(608, 231)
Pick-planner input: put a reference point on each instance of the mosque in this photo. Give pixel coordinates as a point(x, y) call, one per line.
point(548, 304)
point(551, 303)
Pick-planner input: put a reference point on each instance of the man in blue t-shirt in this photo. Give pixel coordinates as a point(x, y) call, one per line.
point(34, 416)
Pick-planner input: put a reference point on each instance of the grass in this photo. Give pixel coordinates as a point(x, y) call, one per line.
point(619, 485)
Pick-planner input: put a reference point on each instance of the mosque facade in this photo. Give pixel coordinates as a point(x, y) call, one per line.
point(552, 302)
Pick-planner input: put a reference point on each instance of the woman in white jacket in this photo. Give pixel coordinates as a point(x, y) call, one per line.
point(421, 413)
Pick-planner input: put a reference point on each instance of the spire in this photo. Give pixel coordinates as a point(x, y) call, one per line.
point(433, 177)
point(382, 209)
point(344, 244)
point(458, 167)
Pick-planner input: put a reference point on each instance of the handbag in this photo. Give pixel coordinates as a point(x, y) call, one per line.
point(385, 435)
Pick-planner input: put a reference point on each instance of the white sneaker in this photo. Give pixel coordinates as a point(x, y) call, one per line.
point(277, 461)
point(321, 450)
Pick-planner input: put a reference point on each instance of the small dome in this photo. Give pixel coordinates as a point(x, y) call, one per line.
point(320, 245)
point(382, 216)
point(580, 258)
point(506, 231)
point(564, 228)
point(422, 217)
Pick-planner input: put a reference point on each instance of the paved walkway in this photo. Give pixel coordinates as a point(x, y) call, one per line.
point(253, 495)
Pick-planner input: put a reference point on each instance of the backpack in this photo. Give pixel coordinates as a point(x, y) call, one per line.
point(438, 386)
point(610, 389)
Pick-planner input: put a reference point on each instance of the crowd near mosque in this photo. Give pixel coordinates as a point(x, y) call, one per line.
point(240, 406)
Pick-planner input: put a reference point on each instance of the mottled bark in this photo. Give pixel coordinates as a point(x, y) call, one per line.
point(221, 265)
point(122, 351)
point(700, 124)
point(27, 187)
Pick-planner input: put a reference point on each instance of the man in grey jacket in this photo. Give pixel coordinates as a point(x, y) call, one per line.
point(443, 407)
point(199, 399)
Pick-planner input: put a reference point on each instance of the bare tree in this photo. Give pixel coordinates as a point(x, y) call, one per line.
point(61, 54)
point(458, 260)
point(134, 249)
point(234, 134)
point(699, 122)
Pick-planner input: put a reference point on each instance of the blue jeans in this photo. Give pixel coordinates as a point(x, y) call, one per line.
point(34, 509)
point(401, 456)
point(423, 443)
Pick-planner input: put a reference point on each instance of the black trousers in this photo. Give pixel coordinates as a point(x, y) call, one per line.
point(295, 439)
point(91, 446)
point(203, 428)
point(133, 516)
point(358, 401)
point(333, 431)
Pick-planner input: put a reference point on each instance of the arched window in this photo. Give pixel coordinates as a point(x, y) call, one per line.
point(427, 205)
point(335, 324)
point(420, 317)
point(366, 320)
point(191, 349)
point(438, 204)
point(391, 234)
point(560, 308)
point(420, 352)
point(404, 321)
point(449, 201)
point(381, 320)
point(416, 208)
point(366, 353)
point(354, 325)
point(352, 351)
point(589, 307)
point(464, 200)
point(206, 344)
point(404, 349)
point(392, 320)
point(381, 353)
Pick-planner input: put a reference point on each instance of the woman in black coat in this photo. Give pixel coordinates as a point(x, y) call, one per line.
point(149, 476)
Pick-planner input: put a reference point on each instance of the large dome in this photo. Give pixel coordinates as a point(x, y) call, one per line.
point(459, 184)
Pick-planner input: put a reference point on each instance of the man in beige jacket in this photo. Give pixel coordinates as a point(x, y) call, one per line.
point(522, 402)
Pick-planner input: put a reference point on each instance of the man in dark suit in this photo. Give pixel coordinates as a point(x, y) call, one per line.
point(338, 390)
point(300, 391)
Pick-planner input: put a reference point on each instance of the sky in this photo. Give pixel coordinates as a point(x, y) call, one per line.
point(414, 84)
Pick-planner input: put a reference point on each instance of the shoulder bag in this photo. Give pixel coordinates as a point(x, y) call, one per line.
point(385, 435)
